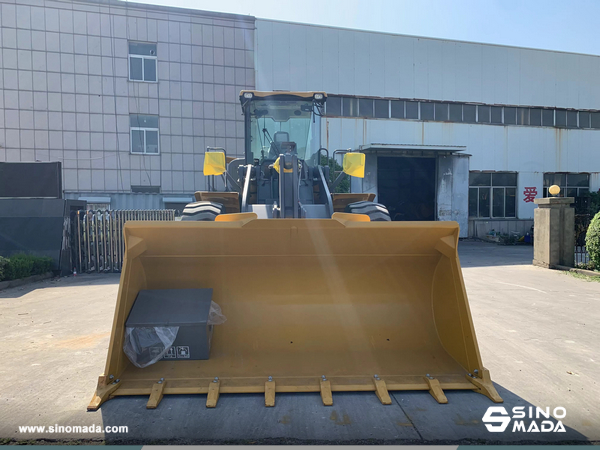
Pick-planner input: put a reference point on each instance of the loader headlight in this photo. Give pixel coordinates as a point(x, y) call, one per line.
point(318, 96)
point(248, 95)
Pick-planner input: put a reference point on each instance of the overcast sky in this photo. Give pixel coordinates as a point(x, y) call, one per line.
point(566, 25)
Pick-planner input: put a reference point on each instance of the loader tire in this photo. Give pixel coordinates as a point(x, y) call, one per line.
point(376, 211)
point(202, 211)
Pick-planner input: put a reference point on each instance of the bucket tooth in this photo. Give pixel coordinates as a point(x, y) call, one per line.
point(435, 389)
point(213, 393)
point(156, 395)
point(103, 392)
point(270, 393)
point(381, 391)
point(485, 386)
point(326, 394)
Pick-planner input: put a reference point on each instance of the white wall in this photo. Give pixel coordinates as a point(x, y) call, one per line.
point(66, 96)
point(307, 57)
point(531, 151)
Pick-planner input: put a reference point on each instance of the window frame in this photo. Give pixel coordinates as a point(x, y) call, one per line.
point(491, 187)
point(143, 58)
point(564, 188)
point(144, 129)
point(457, 112)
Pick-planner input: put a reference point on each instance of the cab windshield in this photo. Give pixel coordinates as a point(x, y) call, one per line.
point(281, 127)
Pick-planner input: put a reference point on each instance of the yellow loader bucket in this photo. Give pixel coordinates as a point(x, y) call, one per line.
point(312, 305)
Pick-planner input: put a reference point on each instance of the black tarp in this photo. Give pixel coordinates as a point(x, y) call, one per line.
point(30, 180)
point(39, 227)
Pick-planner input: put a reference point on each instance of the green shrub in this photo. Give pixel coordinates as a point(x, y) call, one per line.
point(19, 266)
point(3, 264)
point(594, 203)
point(344, 186)
point(592, 240)
point(42, 265)
point(23, 266)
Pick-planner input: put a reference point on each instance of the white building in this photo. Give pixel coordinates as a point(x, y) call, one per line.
point(433, 114)
point(129, 135)
point(128, 96)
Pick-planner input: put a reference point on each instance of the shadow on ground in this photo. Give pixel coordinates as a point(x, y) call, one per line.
point(414, 417)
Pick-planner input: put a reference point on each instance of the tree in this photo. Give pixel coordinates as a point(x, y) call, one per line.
point(334, 171)
point(592, 241)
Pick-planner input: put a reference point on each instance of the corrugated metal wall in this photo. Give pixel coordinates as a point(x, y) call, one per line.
point(309, 57)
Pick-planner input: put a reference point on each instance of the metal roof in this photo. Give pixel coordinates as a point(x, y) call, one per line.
point(373, 147)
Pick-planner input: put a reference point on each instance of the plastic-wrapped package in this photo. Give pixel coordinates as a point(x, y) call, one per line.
point(146, 345)
point(215, 315)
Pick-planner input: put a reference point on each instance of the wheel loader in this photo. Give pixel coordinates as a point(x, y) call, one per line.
point(271, 283)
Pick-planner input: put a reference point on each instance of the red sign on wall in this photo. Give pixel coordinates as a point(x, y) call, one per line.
point(529, 193)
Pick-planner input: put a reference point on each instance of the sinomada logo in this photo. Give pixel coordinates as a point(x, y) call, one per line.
point(497, 419)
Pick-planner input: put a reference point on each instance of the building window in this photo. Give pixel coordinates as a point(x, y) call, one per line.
point(456, 112)
point(483, 114)
point(350, 106)
point(382, 109)
point(571, 119)
point(548, 117)
point(397, 109)
point(510, 116)
point(492, 194)
point(334, 106)
point(441, 112)
point(365, 107)
point(427, 111)
point(412, 110)
point(143, 134)
point(584, 119)
point(469, 113)
point(142, 61)
point(496, 114)
point(535, 117)
point(522, 116)
point(560, 118)
point(571, 184)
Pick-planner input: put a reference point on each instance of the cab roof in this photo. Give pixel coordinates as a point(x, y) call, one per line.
point(285, 94)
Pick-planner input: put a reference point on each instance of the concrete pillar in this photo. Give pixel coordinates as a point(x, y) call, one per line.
point(554, 232)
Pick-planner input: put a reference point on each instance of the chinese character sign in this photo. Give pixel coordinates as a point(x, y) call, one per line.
point(529, 193)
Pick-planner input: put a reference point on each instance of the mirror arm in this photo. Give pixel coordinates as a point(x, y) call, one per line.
point(235, 184)
point(337, 181)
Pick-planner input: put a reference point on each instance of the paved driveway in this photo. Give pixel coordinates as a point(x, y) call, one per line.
point(537, 331)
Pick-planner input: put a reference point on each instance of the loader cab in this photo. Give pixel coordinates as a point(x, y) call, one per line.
point(281, 123)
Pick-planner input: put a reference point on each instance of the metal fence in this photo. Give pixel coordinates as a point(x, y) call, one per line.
point(98, 237)
point(582, 222)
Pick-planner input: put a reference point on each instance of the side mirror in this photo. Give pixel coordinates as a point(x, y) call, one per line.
point(354, 164)
point(214, 163)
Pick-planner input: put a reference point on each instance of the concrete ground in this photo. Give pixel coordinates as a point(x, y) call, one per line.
point(538, 333)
